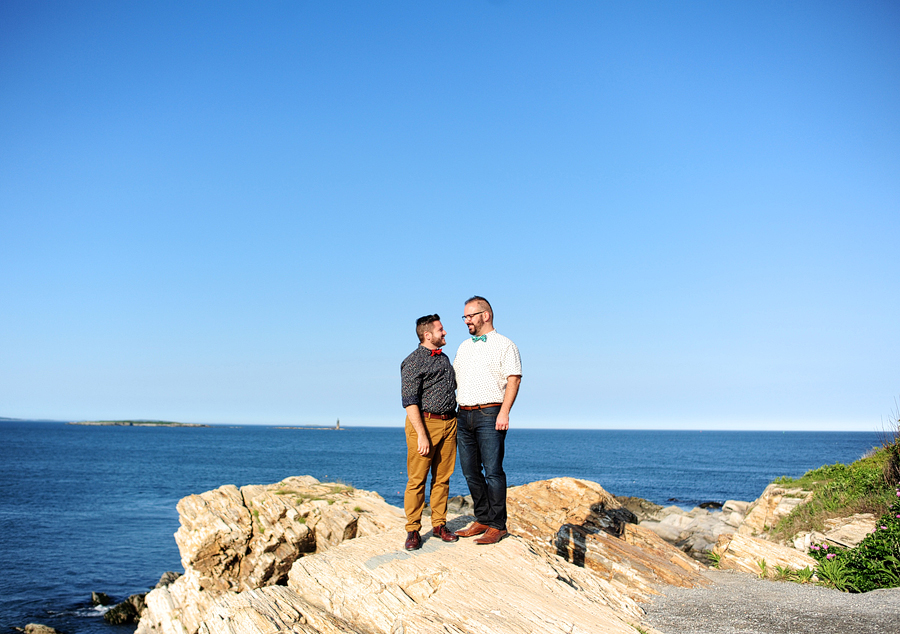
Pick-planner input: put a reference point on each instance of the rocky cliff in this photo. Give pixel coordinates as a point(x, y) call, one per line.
point(574, 562)
point(232, 540)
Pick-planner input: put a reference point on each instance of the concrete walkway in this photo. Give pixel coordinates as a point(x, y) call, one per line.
point(739, 603)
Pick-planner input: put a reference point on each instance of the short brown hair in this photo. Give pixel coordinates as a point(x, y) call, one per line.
point(482, 303)
point(423, 324)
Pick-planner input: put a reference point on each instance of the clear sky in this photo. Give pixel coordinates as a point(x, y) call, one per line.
point(686, 215)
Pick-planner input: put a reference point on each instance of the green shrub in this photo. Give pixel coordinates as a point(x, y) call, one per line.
point(873, 563)
point(840, 490)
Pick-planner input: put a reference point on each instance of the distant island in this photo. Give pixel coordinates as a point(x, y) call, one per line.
point(337, 427)
point(136, 423)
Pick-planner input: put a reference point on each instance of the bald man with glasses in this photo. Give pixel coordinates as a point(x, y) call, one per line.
point(488, 373)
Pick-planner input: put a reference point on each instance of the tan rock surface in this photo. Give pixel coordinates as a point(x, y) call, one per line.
point(775, 503)
point(632, 564)
point(463, 588)
point(213, 537)
point(578, 520)
point(742, 552)
point(234, 539)
point(537, 510)
point(269, 610)
point(849, 531)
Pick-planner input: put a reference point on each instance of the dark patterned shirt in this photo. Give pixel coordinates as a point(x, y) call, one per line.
point(428, 381)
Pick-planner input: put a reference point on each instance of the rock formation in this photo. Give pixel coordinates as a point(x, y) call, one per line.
point(341, 553)
point(128, 611)
point(579, 521)
point(745, 553)
point(38, 628)
point(840, 531)
point(234, 539)
point(376, 587)
point(775, 503)
point(696, 531)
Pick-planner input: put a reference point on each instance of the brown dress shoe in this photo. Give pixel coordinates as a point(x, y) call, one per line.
point(492, 536)
point(477, 528)
point(413, 541)
point(445, 535)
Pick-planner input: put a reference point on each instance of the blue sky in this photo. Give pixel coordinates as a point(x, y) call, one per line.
point(685, 214)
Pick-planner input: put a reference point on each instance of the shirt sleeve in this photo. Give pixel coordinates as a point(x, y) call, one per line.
point(410, 383)
point(510, 362)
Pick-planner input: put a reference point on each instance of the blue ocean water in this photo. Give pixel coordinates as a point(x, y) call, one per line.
point(93, 508)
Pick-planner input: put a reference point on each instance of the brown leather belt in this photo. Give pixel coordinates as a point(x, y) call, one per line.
point(469, 408)
point(438, 416)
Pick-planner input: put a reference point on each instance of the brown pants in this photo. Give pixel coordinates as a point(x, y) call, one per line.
point(441, 461)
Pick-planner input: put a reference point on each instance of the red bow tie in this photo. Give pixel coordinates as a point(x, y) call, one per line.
point(435, 353)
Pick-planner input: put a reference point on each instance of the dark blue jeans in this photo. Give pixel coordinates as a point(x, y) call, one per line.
point(480, 448)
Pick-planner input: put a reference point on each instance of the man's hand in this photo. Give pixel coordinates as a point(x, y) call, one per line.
point(509, 397)
point(415, 418)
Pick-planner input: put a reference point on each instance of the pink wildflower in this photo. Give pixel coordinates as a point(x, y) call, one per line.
point(829, 556)
point(884, 528)
point(825, 546)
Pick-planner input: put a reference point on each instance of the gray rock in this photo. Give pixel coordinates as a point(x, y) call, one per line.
point(166, 579)
point(121, 614)
point(137, 600)
point(642, 509)
point(461, 504)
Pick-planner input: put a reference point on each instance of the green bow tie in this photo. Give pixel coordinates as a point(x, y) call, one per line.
point(481, 338)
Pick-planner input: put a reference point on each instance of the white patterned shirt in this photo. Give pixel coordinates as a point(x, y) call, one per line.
point(483, 367)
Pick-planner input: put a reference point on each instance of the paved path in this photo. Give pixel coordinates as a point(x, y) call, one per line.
point(739, 603)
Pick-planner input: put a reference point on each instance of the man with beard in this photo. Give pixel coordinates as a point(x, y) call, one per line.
point(488, 371)
point(428, 385)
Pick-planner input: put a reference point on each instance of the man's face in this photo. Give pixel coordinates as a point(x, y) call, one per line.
point(476, 321)
point(438, 335)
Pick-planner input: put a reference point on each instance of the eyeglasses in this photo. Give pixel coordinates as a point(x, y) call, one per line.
point(472, 316)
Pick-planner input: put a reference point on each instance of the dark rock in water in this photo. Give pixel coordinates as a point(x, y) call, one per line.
point(100, 598)
point(137, 600)
point(642, 509)
point(166, 579)
point(38, 628)
point(710, 505)
point(121, 614)
point(129, 611)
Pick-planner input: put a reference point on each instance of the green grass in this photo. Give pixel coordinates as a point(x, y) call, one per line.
point(840, 490)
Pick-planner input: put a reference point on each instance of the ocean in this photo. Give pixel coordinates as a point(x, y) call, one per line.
point(93, 508)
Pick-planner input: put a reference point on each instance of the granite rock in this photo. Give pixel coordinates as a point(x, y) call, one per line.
point(38, 628)
point(744, 553)
point(376, 587)
point(775, 503)
point(233, 540)
point(581, 522)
